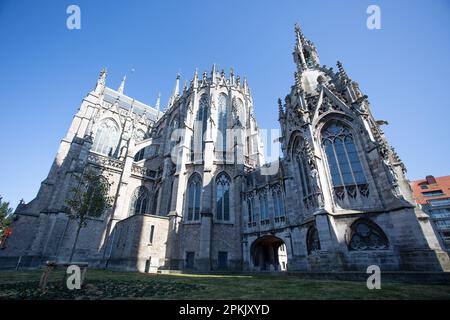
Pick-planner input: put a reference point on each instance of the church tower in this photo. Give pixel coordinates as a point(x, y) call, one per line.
point(353, 198)
point(214, 141)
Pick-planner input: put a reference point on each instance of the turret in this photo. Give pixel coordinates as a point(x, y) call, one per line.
point(122, 85)
point(101, 82)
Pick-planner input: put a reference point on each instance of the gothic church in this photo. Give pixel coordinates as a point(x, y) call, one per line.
point(192, 191)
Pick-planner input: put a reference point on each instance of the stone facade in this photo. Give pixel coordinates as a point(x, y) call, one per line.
point(191, 190)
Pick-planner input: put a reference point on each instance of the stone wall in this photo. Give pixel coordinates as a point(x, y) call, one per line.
point(132, 246)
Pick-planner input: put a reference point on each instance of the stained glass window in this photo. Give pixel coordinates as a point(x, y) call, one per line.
point(222, 122)
point(343, 160)
point(278, 203)
point(263, 207)
point(194, 190)
point(223, 198)
point(106, 138)
point(139, 201)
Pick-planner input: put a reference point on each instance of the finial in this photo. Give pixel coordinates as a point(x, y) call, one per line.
point(280, 109)
point(103, 73)
point(122, 85)
point(101, 82)
point(213, 73)
point(175, 92)
point(245, 85)
point(342, 72)
point(299, 34)
point(158, 103)
point(195, 80)
point(232, 75)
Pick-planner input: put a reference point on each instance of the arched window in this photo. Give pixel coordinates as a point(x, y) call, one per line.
point(139, 201)
point(194, 191)
point(169, 202)
point(263, 207)
point(106, 138)
point(155, 202)
point(366, 235)
point(250, 210)
point(223, 197)
point(139, 155)
point(222, 123)
point(312, 240)
point(278, 203)
point(239, 109)
point(302, 165)
point(343, 159)
point(346, 171)
point(200, 126)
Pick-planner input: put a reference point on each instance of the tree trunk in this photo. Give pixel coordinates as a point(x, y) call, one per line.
point(75, 242)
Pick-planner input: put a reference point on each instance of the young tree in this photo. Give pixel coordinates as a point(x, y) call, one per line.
point(89, 199)
point(5, 216)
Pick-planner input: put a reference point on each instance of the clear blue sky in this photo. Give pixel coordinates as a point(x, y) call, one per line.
point(47, 69)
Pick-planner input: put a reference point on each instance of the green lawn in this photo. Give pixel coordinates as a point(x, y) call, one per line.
point(102, 284)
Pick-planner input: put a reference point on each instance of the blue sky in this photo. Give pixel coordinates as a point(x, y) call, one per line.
point(47, 69)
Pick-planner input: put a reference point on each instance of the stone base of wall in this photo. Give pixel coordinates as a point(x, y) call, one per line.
point(38, 262)
point(360, 260)
point(202, 264)
point(424, 260)
point(233, 265)
point(22, 263)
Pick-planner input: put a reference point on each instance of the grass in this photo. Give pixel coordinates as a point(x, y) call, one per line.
point(101, 284)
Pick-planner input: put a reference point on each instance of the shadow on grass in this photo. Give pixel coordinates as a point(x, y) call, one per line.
point(101, 284)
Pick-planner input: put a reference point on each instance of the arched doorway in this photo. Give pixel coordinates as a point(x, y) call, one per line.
point(269, 254)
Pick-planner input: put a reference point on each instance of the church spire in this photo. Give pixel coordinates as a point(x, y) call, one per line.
point(299, 57)
point(305, 53)
point(245, 85)
point(122, 85)
point(175, 92)
point(232, 76)
point(280, 110)
point(195, 80)
point(342, 72)
point(213, 73)
point(101, 82)
point(300, 38)
point(158, 104)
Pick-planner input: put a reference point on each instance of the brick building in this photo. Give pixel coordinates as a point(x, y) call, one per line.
point(433, 194)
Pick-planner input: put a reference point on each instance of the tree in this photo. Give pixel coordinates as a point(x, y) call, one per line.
point(5, 216)
point(88, 199)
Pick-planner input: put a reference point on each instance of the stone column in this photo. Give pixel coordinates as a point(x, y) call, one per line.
point(328, 245)
point(203, 262)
